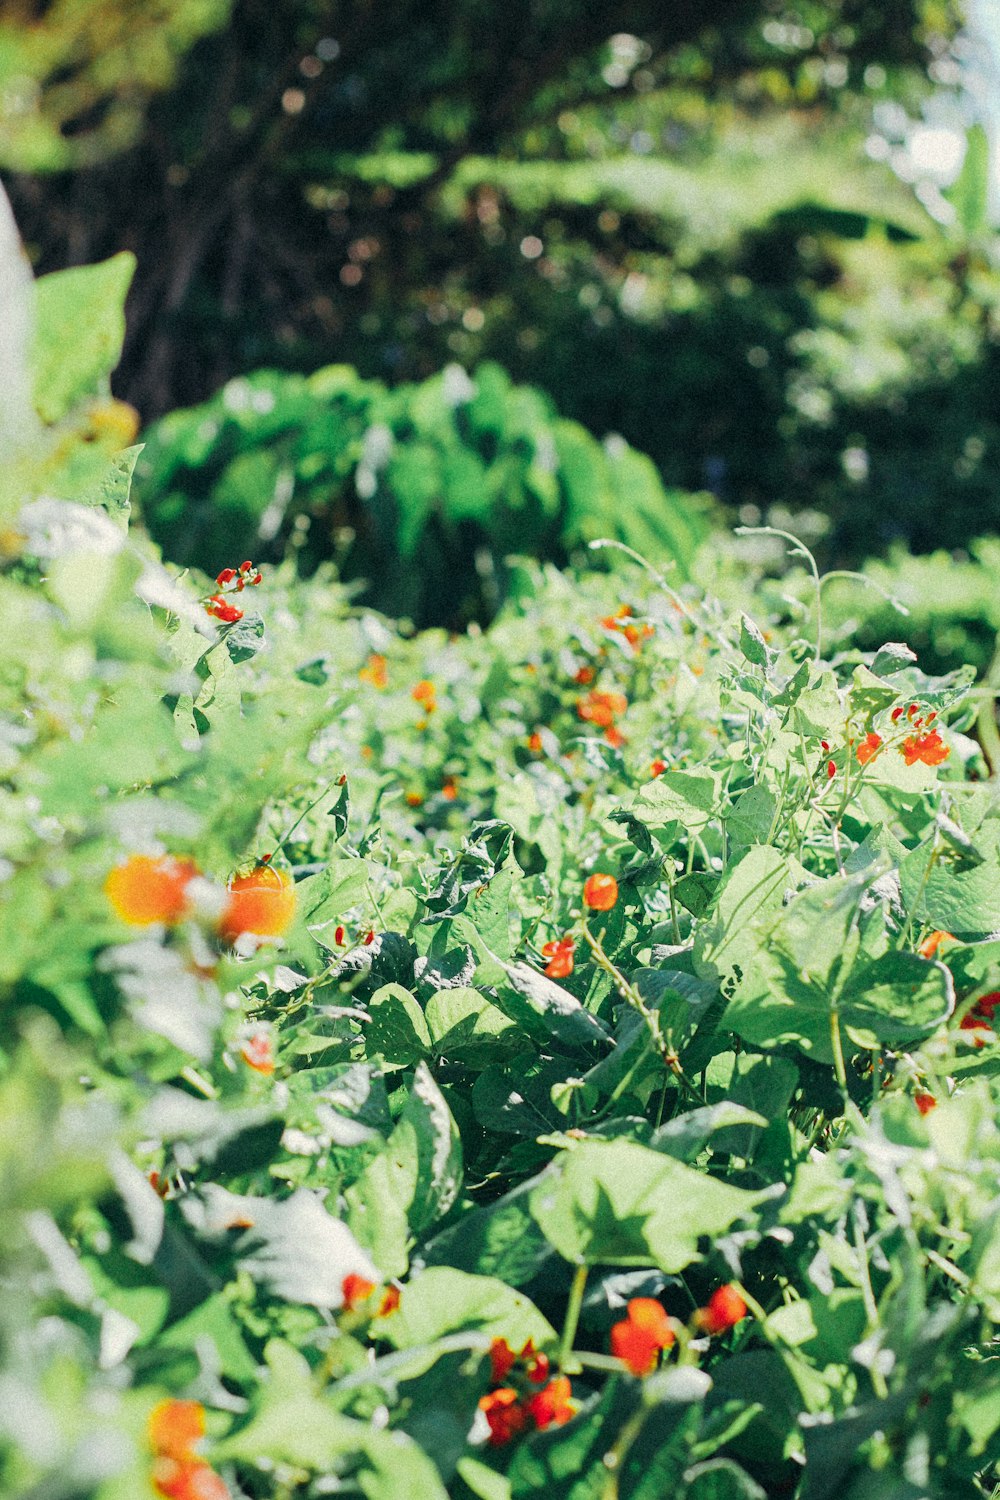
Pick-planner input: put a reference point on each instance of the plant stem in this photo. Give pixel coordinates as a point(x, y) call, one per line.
point(572, 1319)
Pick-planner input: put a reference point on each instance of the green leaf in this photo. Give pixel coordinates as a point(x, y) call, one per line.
point(621, 1204)
point(969, 193)
point(397, 1029)
point(292, 1424)
point(676, 796)
point(720, 1479)
point(466, 1027)
point(545, 1010)
point(755, 886)
point(245, 638)
point(753, 644)
point(79, 329)
point(413, 1181)
point(442, 1300)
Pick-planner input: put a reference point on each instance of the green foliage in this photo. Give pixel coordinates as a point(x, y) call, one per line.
point(421, 493)
point(310, 1182)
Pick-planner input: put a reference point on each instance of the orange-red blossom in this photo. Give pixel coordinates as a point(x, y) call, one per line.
point(509, 1411)
point(600, 892)
point(560, 957)
point(724, 1309)
point(179, 1472)
point(638, 1339)
point(928, 748)
point(146, 889)
point(262, 903)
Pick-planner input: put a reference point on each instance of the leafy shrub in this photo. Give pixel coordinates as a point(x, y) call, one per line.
point(421, 492)
point(479, 1175)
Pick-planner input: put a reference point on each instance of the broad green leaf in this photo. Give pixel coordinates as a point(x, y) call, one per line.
point(467, 1027)
point(754, 887)
point(397, 1029)
point(676, 796)
point(546, 1010)
point(79, 328)
point(413, 1181)
point(441, 1300)
point(622, 1204)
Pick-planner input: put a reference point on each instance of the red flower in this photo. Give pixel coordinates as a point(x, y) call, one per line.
point(502, 1360)
point(375, 672)
point(868, 747)
point(390, 1302)
point(933, 941)
point(504, 1414)
point(222, 610)
point(929, 748)
point(145, 889)
point(925, 1102)
point(638, 1338)
point(601, 708)
point(355, 1289)
point(584, 676)
point(897, 713)
point(192, 1479)
point(262, 903)
point(338, 936)
point(173, 1428)
point(725, 1308)
point(657, 768)
point(600, 892)
point(831, 770)
point(614, 737)
point(560, 956)
point(257, 1054)
point(552, 1405)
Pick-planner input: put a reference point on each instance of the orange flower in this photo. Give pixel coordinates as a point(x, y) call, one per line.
point(583, 676)
point(504, 1414)
point(390, 1302)
point(929, 748)
point(601, 708)
point(192, 1479)
point(933, 941)
point(600, 892)
point(425, 692)
point(657, 768)
point(535, 742)
point(725, 1308)
point(638, 1338)
point(502, 1360)
point(414, 799)
point(262, 903)
point(375, 672)
point(560, 956)
point(868, 747)
point(551, 1406)
point(257, 1054)
point(449, 790)
point(355, 1289)
point(174, 1427)
point(144, 890)
point(925, 1102)
point(614, 737)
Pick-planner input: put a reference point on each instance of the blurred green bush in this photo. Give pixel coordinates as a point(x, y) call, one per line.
point(420, 493)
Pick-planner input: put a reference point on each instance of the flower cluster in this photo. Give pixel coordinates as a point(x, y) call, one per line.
point(603, 709)
point(560, 957)
point(179, 1471)
point(980, 1019)
point(512, 1408)
point(231, 581)
point(357, 1290)
point(646, 1330)
point(145, 889)
point(621, 621)
point(375, 671)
